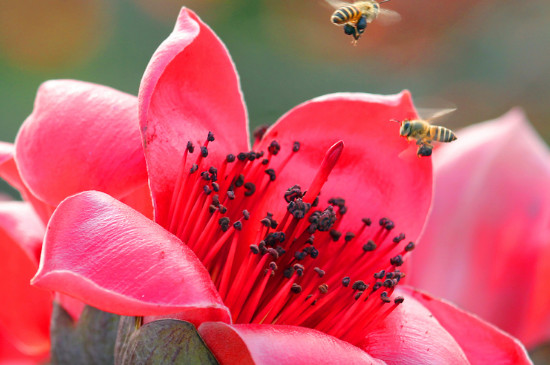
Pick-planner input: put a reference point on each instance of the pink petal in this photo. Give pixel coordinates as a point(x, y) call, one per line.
point(106, 254)
point(482, 342)
point(189, 88)
point(80, 136)
point(24, 310)
point(272, 344)
point(9, 172)
point(11, 355)
point(486, 243)
point(378, 172)
point(412, 335)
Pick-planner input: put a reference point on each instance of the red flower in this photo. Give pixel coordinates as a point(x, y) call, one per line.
point(486, 244)
point(268, 272)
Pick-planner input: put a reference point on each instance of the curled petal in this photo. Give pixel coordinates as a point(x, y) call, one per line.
point(486, 245)
point(378, 172)
point(482, 342)
point(106, 254)
point(80, 136)
point(272, 344)
point(24, 310)
point(189, 88)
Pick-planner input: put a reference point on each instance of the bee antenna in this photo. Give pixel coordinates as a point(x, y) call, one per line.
point(384, 1)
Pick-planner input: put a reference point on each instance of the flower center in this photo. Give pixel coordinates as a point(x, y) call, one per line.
point(297, 268)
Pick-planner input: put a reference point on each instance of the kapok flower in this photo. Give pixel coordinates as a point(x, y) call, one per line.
point(488, 231)
point(297, 243)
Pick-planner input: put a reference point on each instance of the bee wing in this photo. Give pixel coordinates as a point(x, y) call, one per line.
point(387, 17)
point(432, 114)
point(337, 4)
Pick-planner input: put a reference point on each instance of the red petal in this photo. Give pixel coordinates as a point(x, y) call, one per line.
point(24, 310)
point(80, 136)
point(11, 355)
point(482, 342)
point(374, 174)
point(106, 254)
point(272, 344)
point(189, 88)
point(486, 245)
point(9, 172)
point(411, 335)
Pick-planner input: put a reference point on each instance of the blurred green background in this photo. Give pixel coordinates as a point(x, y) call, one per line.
point(483, 56)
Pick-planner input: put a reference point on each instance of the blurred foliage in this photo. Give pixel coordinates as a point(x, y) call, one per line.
point(484, 56)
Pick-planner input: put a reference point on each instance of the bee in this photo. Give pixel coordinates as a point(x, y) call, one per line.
point(425, 133)
point(355, 17)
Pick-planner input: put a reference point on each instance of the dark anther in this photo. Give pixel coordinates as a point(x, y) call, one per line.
point(212, 208)
point(376, 286)
point(367, 221)
point(315, 202)
point(389, 275)
point(271, 173)
point(215, 187)
point(213, 170)
point(369, 246)
point(274, 224)
point(383, 221)
point(399, 300)
point(319, 272)
point(265, 161)
point(358, 295)
point(299, 269)
point(194, 168)
point(273, 265)
point(384, 297)
point(388, 283)
point(397, 260)
point(340, 203)
point(240, 181)
point(223, 209)
point(310, 239)
point(389, 225)
point(298, 208)
point(288, 272)
point(274, 148)
point(296, 146)
point(280, 250)
point(399, 238)
point(274, 238)
point(359, 285)
point(238, 225)
point(273, 252)
point(346, 281)
point(190, 147)
point(266, 222)
point(205, 175)
point(210, 137)
point(293, 193)
point(231, 194)
point(298, 255)
point(296, 289)
point(380, 274)
point(313, 252)
point(254, 249)
point(246, 215)
point(242, 156)
point(230, 158)
point(207, 189)
point(250, 188)
point(410, 246)
point(251, 156)
point(224, 223)
point(335, 235)
point(204, 151)
point(323, 288)
point(259, 132)
point(322, 221)
point(349, 236)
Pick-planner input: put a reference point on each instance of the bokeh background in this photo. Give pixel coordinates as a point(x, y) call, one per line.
point(482, 56)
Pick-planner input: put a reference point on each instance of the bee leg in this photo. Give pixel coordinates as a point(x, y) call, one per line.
point(361, 24)
point(424, 150)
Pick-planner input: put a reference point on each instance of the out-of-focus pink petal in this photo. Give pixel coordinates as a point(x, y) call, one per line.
point(80, 136)
point(73, 306)
point(412, 335)
point(24, 310)
point(9, 172)
point(272, 344)
point(482, 342)
point(488, 230)
point(108, 255)
point(378, 172)
point(11, 355)
point(189, 88)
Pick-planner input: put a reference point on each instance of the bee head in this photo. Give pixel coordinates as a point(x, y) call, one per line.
point(405, 129)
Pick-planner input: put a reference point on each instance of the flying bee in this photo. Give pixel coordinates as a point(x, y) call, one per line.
point(425, 133)
point(355, 17)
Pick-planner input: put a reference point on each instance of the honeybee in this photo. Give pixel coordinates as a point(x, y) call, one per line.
point(425, 133)
point(355, 17)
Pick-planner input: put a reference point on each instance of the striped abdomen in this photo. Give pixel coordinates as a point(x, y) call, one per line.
point(345, 15)
point(441, 134)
